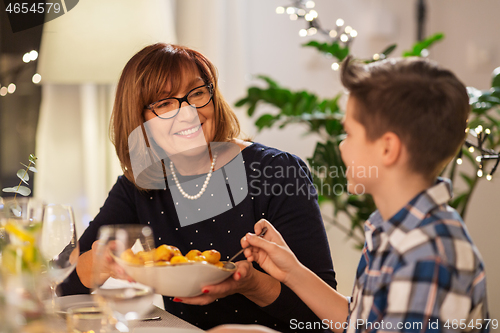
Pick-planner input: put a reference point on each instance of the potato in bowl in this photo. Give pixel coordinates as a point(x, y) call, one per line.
point(172, 274)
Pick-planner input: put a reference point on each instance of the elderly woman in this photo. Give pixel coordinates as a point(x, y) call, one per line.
point(168, 97)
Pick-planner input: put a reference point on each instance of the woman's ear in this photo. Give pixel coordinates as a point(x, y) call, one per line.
point(391, 148)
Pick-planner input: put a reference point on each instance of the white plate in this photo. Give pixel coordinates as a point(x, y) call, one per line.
point(164, 330)
point(179, 280)
point(65, 302)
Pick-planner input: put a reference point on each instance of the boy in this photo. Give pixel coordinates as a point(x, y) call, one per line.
point(419, 270)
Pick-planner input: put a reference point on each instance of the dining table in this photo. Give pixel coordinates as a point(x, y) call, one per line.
point(156, 321)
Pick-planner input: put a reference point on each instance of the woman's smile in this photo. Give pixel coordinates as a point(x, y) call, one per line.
point(190, 132)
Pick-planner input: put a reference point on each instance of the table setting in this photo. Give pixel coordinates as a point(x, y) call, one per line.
point(39, 249)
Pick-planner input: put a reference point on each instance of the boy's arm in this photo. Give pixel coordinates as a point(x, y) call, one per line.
point(274, 256)
point(327, 303)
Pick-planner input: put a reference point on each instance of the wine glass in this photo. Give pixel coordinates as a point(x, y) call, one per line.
point(126, 302)
point(58, 244)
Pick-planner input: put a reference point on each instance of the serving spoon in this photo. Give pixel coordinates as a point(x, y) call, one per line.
point(229, 264)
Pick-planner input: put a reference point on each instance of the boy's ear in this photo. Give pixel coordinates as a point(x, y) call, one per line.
point(391, 148)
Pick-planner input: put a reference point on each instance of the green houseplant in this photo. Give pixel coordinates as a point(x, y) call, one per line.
point(323, 117)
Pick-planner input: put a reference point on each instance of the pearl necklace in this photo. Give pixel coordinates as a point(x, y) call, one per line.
point(203, 188)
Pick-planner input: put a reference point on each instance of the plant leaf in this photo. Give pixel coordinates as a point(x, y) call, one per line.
point(425, 44)
point(496, 77)
point(33, 158)
point(467, 179)
point(389, 50)
point(23, 190)
point(23, 175)
point(266, 120)
point(32, 169)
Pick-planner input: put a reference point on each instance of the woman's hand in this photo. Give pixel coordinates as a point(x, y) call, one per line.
point(93, 269)
point(241, 329)
point(271, 252)
point(256, 286)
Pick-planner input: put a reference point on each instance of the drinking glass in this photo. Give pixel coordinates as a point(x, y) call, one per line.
point(20, 260)
point(125, 301)
point(58, 244)
point(86, 319)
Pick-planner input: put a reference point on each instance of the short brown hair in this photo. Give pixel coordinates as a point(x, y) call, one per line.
point(422, 103)
point(143, 81)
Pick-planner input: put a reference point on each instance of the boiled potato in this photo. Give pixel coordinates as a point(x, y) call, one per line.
point(146, 257)
point(212, 256)
point(199, 258)
point(163, 253)
point(193, 254)
point(175, 250)
point(178, 260)
point(130, 257)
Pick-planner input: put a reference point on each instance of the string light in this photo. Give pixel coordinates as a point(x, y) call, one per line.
point(312, 31)
point(33, 55)
point(481, 134)
point(310, 4)
point(36, 78)
point(11, 88)
point(15, 71)
point(302, 9)
point(335, 66)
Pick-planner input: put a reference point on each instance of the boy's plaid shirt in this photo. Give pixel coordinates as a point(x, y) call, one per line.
point(420, 271)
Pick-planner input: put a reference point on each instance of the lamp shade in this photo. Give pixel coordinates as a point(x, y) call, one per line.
point(92, 42)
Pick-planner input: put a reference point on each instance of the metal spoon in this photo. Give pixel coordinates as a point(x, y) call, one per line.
point(262, 233)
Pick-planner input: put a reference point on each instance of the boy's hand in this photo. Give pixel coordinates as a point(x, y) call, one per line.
point(271, 252)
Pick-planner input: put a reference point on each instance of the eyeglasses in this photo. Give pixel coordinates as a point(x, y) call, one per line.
point(169, 107)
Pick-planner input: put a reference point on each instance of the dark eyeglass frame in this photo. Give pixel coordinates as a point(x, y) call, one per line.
point(183, 99)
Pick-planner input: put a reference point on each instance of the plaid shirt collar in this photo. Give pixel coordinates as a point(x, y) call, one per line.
point(379, 233)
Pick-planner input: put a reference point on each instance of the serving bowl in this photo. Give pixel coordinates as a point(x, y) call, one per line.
point(178, 280)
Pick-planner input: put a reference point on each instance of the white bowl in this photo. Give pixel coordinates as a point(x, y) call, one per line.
point(179, 280)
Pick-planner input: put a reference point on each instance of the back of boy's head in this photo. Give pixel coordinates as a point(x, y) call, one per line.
point(426, 106)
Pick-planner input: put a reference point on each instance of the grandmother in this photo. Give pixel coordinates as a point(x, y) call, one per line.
point(198, 186)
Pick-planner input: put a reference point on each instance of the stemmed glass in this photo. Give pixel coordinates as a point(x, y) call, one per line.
point(58, 244)
point(124, 301)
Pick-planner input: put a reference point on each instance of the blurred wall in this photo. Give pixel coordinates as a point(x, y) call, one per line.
point(259, 41)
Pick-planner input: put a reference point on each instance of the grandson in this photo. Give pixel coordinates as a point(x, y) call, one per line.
point(419, 270)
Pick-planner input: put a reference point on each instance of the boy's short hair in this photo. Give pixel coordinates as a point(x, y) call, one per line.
point(426, 106)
